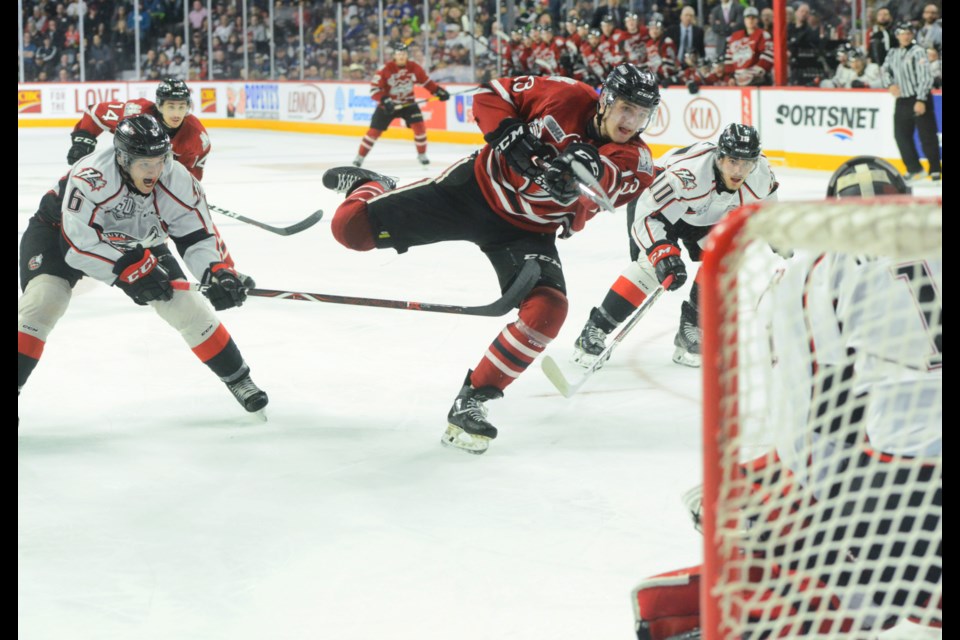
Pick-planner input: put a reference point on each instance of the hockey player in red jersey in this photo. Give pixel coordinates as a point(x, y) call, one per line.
point(189, 139)
point(191, 144)
point(109, 219)
point(510, 199)
point(392, 89)
point(661, 52)
point(749, 56)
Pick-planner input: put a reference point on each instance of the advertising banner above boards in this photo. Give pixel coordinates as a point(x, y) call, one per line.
point(811, 128)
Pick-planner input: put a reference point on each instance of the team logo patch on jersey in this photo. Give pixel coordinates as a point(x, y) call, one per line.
point(92, 177)
point(124, 209)
point(645, 161)
point(35, 262)
point(688, 180)
point(131, 109)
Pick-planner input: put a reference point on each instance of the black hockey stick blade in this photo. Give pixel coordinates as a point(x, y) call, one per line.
point(297, 227)
point(521, 286)
point(570, 387)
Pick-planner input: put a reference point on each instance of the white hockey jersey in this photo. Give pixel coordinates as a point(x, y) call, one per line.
point(686, 193)
point(103, 217)
point(888, 316)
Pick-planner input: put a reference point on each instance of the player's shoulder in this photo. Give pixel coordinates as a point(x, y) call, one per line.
point(97, 177)
point(694, 155)
point(180, 184)
point(139, 106)
point(762, 180)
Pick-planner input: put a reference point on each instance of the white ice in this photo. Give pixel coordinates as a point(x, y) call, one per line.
point(151, 506)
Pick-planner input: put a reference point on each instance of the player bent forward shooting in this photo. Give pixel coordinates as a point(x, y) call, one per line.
point(109, 219)
point(509, 199)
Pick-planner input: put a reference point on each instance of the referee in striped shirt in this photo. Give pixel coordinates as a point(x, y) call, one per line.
point(906, 71)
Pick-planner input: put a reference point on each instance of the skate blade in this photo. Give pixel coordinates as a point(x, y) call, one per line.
point(586, 360)
point(456, 438)
point(687, 359)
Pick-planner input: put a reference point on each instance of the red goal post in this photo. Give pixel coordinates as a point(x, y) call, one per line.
point(794, 578)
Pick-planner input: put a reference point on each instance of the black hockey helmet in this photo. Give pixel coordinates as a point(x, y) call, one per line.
point(739, 141)
point(635, 85)
point(140, 137)
point(172, 89)
point(866, 177)
point(596, 33)
point(401, 47)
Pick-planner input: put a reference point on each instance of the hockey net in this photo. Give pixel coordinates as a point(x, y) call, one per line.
point(823, 473)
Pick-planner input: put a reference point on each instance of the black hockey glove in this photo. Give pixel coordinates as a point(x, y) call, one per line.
point(388, 106)
point(693, 87)
point(83, 145)
point(513, 140)
point(560, 181)
point(142, 277)
point(442, 94)
point(227, 288)
point(666, 261)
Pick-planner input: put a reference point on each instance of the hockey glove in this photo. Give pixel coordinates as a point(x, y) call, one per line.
point(442, 94)
point(559, 179)
point(83, 145)
point(513, 140)
point(693, 87)
point(666, 261)
point(227, 288)
point(388, 106)
point(142, 277)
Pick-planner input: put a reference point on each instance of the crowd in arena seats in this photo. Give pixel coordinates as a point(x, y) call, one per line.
point(730, 45)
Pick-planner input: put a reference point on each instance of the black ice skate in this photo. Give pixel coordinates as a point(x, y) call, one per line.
point(592, 340)
point(687, 339)
point(467, 426)
point(248, 394)
point(424, 160)
point(358, 161)
point(345, 179)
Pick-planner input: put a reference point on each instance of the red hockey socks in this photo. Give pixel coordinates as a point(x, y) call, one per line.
point(369, 138)
point(541, 315)
point(420, 136)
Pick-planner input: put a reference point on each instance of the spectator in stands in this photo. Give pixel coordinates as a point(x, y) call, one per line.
point(936, 67)
point(100, 60)
point(609, 8)
point(224, 28)
point(749, 53)
point(855, 72)
point(881, 38)
point(725, 18)
point(687, 35)
point(29, 57)
point(149, 67)
point(907, 10)
point(178, 68)
point(931, 33)
point(121, 41)
point(197, 14)
point(766, 20)
point(47, 56)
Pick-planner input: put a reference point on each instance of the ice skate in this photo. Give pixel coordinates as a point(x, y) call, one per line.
point(345, 179)
point(358, 161)
point(423, 159)
point(467, 426)
point(248, 394)
point(687, 339)
point(591, 343)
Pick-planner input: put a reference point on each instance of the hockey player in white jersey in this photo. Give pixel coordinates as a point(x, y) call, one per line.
point(109, 218)
point(696, 187)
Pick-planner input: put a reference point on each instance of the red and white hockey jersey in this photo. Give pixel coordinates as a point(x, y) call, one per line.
point(191, 144)
point(686, 191)
point(397, 82)
point(103, 217)
point(560, 111)
point(749, 57)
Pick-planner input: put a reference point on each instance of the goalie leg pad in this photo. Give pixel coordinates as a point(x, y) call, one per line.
point(542, 314)
point(668, 605)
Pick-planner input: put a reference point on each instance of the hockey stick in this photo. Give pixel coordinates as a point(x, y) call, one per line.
point(521, 286)
point(297, 227)
point(552, 370)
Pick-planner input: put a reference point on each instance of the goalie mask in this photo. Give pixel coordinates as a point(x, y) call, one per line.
point(866, 177)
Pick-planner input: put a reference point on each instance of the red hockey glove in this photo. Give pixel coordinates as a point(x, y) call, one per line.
point(514, 140)
point(142, 277)
point(227, 288)
point(666, 261)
